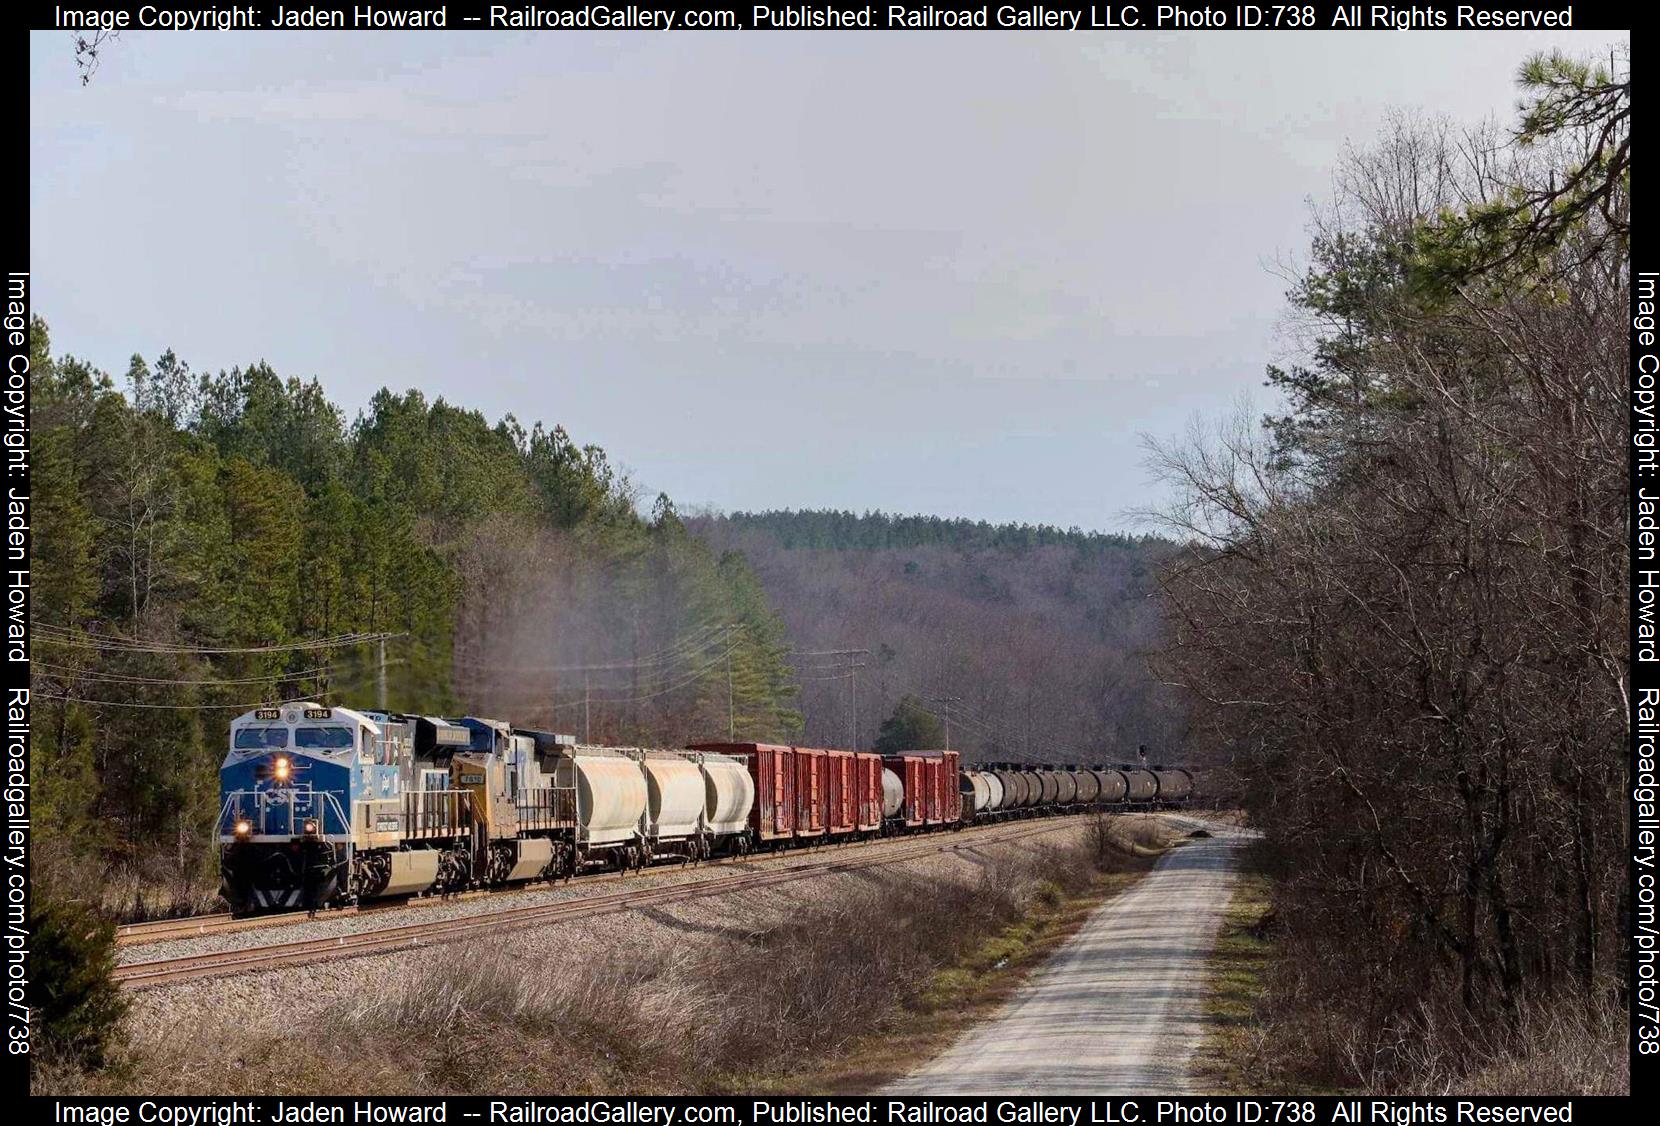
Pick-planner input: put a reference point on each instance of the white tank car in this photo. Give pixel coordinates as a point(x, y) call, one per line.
point(674, 795)
point(994, 791)
point(610, 794)
point(893, 793)
point(728, 794)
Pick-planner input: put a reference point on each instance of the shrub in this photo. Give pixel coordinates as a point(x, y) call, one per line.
point(72, 991)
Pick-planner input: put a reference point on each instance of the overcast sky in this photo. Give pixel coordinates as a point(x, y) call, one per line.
point(955, 274)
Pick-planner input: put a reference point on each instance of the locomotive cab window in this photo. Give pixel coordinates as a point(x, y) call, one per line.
point(323, 738)
point(261, 738)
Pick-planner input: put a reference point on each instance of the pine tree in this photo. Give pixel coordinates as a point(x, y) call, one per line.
point(911, 727)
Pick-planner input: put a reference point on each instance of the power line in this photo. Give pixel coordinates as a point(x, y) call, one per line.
point(78, 639)
point(841, 675)
point(1010, 742)
point(122, 678)
point(694, 676)
point(333, 691)
point(587, 698)
point(689, 647)
point(160, 707)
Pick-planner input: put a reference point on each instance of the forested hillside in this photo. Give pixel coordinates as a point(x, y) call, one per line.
point(1408, 604)
point(1031, 639)
point(204, 543)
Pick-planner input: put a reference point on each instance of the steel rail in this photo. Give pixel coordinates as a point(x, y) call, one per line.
point(167, 971)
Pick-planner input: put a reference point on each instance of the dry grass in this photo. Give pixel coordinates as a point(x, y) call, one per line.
point(1233, 990)
point(1563, 1047)
point(727, 1012)
point(1277, 1022)
point(1134, 833)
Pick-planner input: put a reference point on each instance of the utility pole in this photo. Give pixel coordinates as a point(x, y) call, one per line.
point(948, 726)
point(731, 716)
point(380, 677)
point(586, 737)
point(853, 680)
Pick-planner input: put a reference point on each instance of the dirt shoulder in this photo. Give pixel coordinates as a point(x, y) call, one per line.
point(1234, 982)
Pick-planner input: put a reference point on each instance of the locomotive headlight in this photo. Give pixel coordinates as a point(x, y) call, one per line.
point(280, 769)
point(243, 828)
point(310, 827)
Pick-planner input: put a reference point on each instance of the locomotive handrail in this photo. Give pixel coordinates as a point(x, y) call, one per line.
point(438, 813)
point(547, 807)
point(291, 799)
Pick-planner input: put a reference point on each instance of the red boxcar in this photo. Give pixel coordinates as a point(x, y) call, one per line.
point(773, 770)
point(911, 769)
point(932, 769)
point(931, 783)
point(867, 784)
point(843, 814)
point(812, 791)
point(949, 781)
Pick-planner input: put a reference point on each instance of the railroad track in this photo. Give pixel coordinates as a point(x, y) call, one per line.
point(160, 930)
point(197, 926)
point(283, 955)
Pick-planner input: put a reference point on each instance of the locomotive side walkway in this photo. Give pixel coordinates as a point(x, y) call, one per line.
point(1118, 1009)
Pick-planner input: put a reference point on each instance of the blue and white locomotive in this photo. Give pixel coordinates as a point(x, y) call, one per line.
point(320, 804)
point(326, 805)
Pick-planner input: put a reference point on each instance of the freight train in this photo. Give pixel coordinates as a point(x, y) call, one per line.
point(327, 805)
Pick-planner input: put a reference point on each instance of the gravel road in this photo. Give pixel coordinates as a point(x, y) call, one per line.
point(1118, 1009)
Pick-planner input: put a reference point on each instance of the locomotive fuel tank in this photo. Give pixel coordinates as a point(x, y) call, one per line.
point(412, 871)
point(531, 857)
